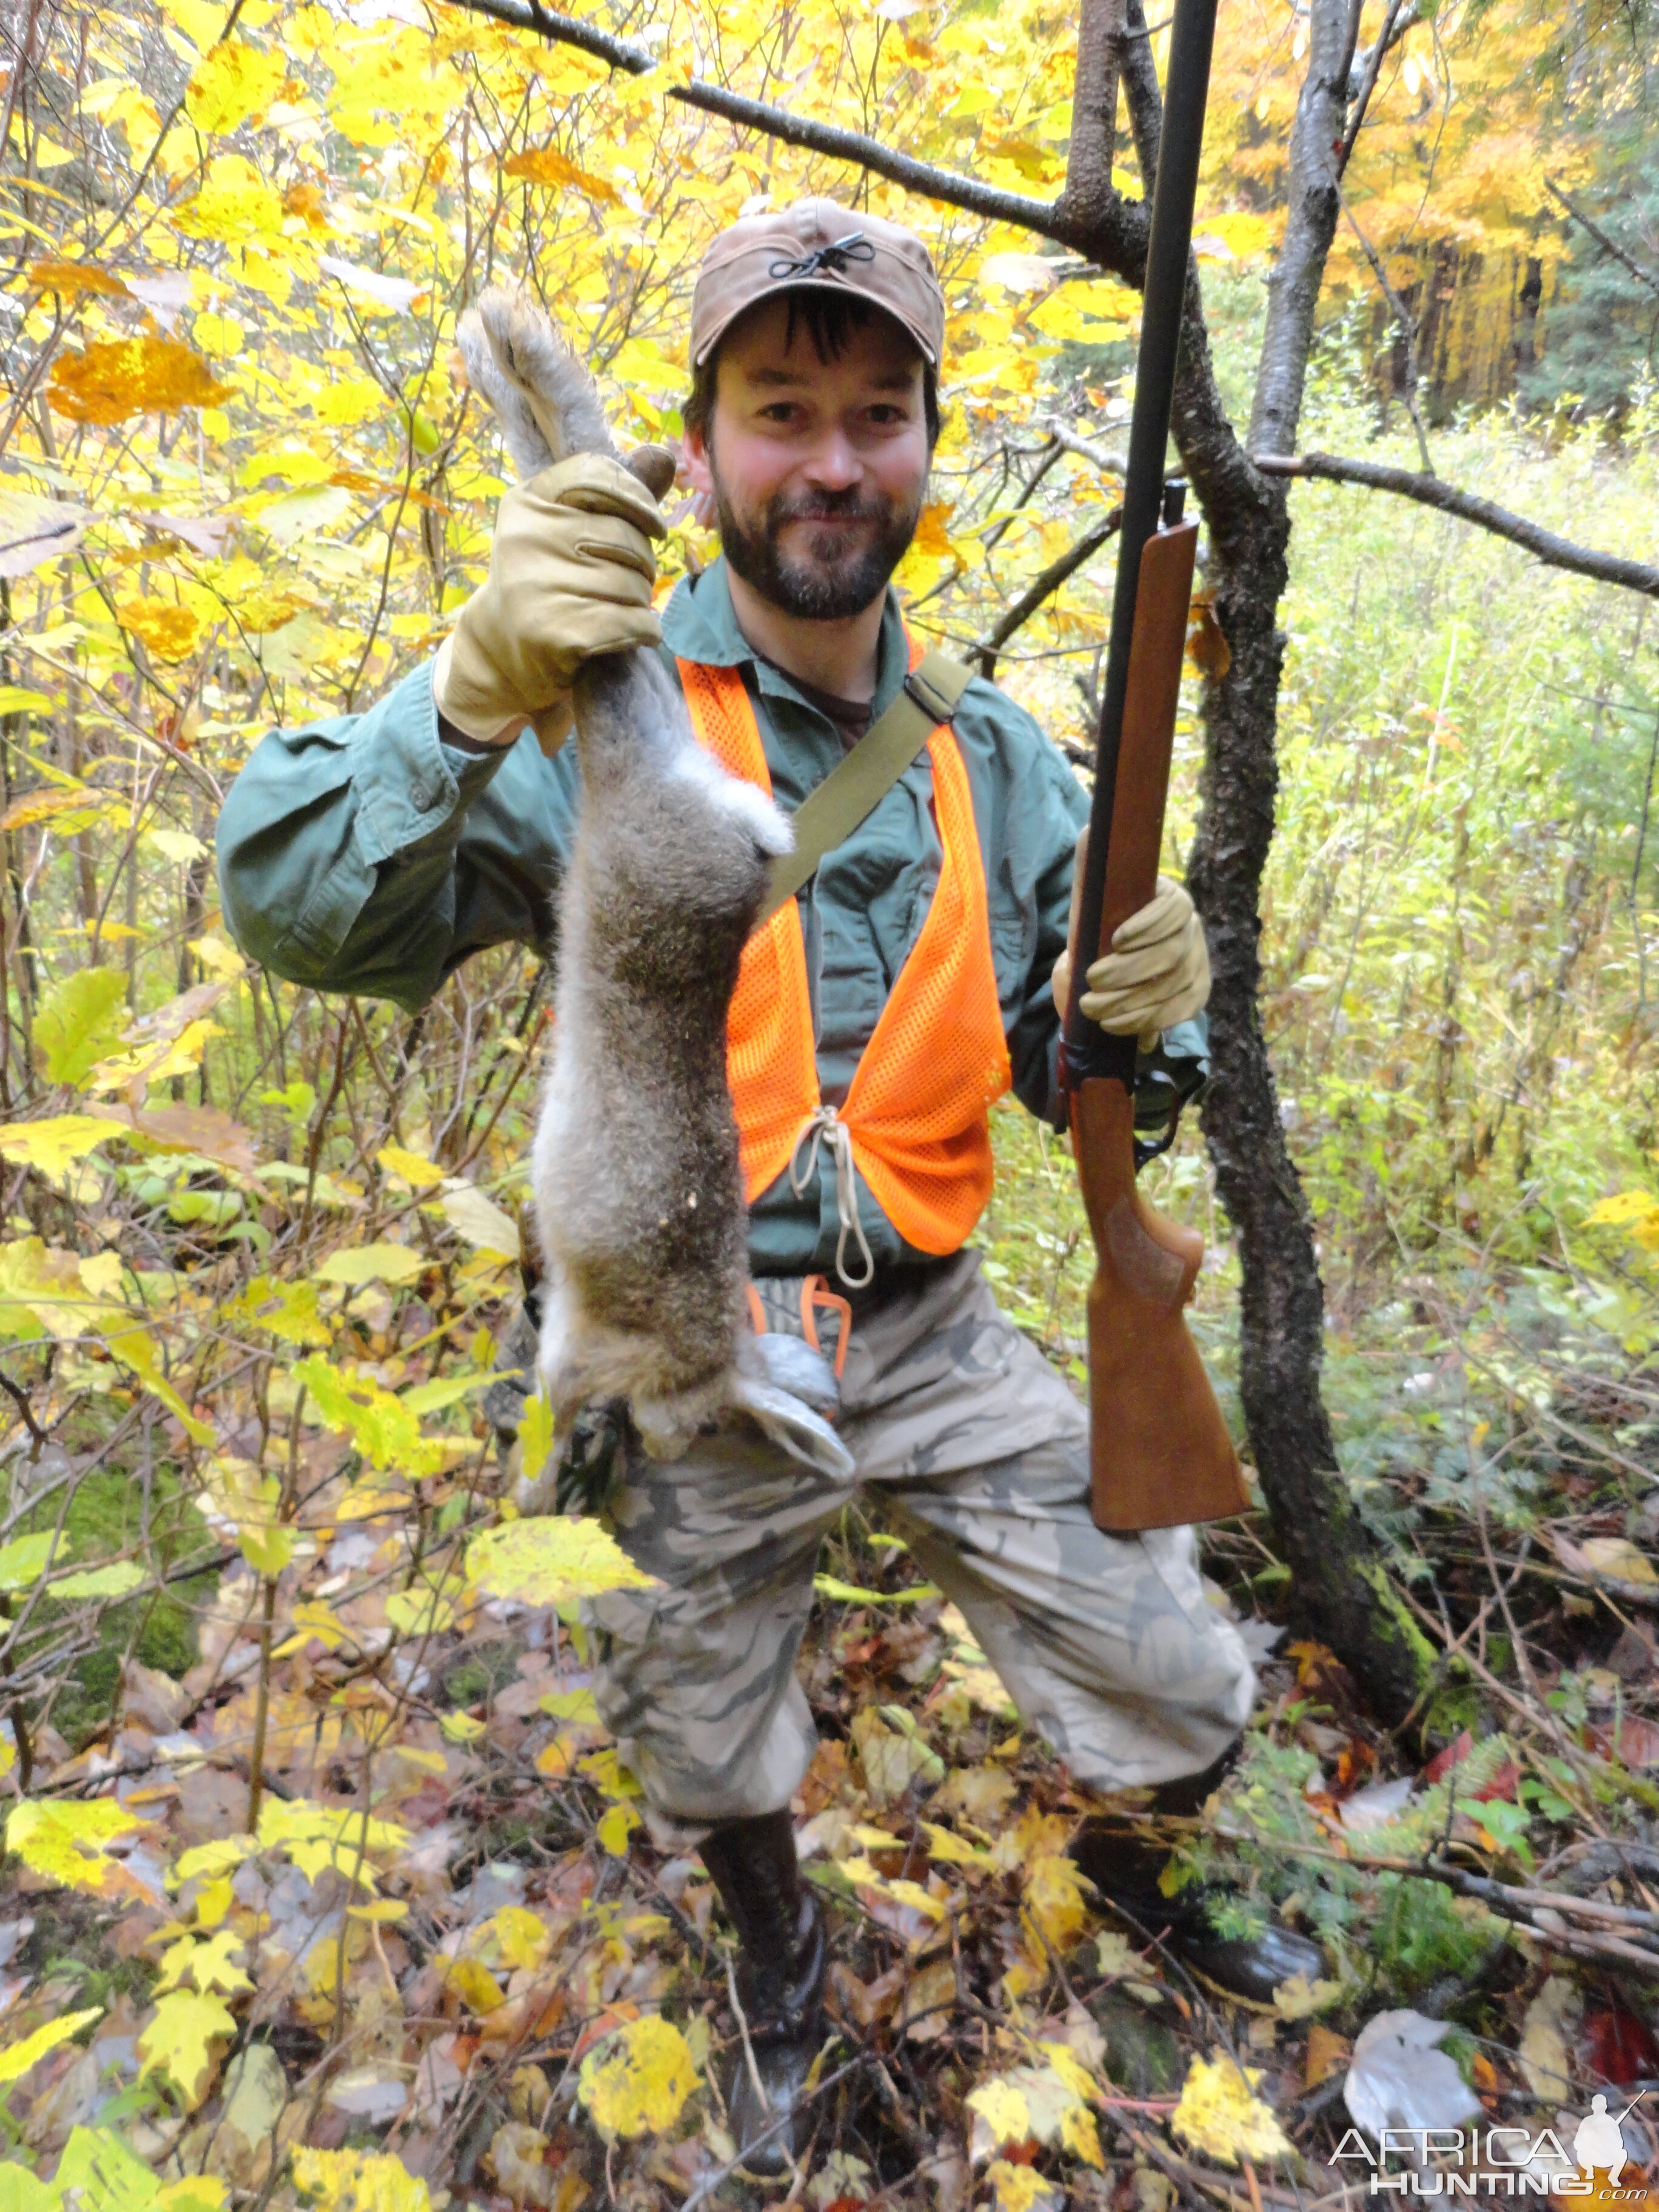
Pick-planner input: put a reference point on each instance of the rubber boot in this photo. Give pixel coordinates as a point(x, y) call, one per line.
point(783, 1954)
point(1125, 1866)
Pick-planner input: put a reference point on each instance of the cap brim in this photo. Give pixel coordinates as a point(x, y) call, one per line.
point(773, 289)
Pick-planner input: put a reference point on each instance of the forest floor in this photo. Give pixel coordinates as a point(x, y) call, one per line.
point(435, 1950)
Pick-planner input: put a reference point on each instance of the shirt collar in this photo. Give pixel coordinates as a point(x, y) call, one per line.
point(699, 623)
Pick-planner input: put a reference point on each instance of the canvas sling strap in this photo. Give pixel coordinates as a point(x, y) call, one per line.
point(852, 791)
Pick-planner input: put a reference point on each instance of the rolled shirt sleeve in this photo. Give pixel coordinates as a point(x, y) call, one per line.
point(362, 854)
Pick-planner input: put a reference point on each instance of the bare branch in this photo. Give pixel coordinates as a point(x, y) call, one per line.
point(1040, 587)
point(1141, 94)
point(1408, 327)
point(1608, 244)
point(1112, 238)
point(1401, 14)
point(1109, 465)
point(1088, 189)
point(1468, 507)
point(1299, 271)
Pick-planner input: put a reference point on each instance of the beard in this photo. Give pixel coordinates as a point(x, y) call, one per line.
point(838, 573)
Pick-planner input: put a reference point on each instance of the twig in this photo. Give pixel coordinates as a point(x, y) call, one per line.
point(1468, 507)
point(1608, 244)
point(943, 184)
point(1109, 465)
point(1040, 588)
point(1374, 60)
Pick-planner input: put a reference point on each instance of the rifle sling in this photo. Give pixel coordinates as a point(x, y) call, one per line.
point(852, 791)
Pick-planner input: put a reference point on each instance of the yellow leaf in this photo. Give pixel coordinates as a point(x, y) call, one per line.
point(1018, 2188)
point(420, 1612)
point(415, 1170)
point(1003, 2109)
point(356, 2181)
point(17, 2059)
point(520, 1939)
point(1218, 2115)
point(614, 1830)
point(461, 1727)
point(113, 378)
point(154, 1060)
point(550, 1561)
point(1054, 1899)
point(1618, 1557)
point(178, 2041)
point(382, 1911)
point(67, 279)
point(1628, 1206)
point(637, 2081)
point(208, 1963)
point(52, 1145)
point(233, 205)
point(213, 1901)
point(69, 1842)
point(247, 1504)
point(232, 83)
point(473, 1982)
point(370, 1263)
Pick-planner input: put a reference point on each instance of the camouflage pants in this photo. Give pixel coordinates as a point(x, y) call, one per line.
point(1106, 1644)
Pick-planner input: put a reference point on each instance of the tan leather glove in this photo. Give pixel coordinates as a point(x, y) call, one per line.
point(571, 570)
point(1157, 972)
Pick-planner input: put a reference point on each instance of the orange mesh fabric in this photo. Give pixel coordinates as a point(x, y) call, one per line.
point(917, 1110)
point(918, 1107)
point(770, 1062)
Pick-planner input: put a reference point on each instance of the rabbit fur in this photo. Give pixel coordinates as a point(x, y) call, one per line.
point(639, 1197)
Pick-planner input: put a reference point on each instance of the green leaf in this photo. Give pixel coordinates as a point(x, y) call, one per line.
point(112, 1581)
point(371, 1263)
point(831, 1586)
point(23, 1561)
point(550, 1561)
point(81, 1021)
point(98, 2173)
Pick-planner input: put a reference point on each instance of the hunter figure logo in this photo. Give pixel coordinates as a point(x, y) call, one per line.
point(1502, 2161)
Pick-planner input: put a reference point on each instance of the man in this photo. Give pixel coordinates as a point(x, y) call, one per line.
point(374, 852)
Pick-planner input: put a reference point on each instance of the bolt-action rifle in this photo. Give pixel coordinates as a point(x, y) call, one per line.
point(1159, 1449)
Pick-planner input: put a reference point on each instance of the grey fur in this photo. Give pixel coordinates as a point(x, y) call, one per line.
point(639, 1198)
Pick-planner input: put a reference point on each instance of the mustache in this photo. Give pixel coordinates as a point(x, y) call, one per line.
point(828, 507)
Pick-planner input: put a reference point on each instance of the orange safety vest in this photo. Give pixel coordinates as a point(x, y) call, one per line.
point(917, 1113)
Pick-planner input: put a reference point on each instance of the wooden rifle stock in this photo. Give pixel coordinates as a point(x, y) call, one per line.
point(1159, 1450)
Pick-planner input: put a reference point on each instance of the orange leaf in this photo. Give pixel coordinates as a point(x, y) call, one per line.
point(113, 378)
point(543, 166)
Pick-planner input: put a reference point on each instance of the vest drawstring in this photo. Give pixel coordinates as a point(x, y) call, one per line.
point(826, 1126)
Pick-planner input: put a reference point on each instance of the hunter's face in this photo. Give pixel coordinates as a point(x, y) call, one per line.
point(817, 469)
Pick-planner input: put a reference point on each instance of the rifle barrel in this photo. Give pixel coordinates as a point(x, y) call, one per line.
point(1089, 1050)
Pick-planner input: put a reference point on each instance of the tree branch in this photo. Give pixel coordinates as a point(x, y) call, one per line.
point(1109, 465)
point(1141, 93)
point(1040, 588)
point(1395, 24)
point(1608, 245)
point(1088, 189)
point(1299, 273)
point(1116, 238)
point(1468, 507)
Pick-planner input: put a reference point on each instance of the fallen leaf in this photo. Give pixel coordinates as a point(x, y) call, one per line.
point(637, 2081)
point(178, 2041)
point(1398, 2079)
point(18, 2057)
point(1220, 2114)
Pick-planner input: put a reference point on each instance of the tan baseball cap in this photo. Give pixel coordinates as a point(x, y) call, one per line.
point(822, 247)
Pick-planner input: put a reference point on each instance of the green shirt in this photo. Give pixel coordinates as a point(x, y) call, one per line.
point(362, 854)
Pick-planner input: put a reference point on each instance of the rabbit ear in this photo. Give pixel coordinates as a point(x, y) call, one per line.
point(790, 1422)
